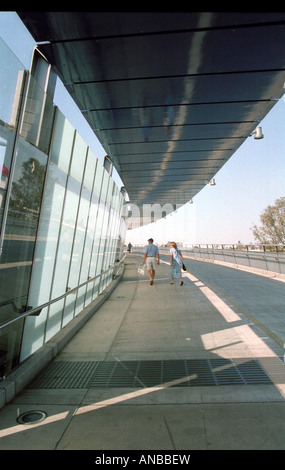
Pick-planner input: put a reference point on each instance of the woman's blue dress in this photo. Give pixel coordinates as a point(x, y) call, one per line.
point(175, 269)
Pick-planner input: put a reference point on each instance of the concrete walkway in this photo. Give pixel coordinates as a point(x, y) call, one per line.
point(161, 368)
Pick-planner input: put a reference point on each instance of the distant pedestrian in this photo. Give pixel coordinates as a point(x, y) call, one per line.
point(151, 253)
point(130, 247)
point(176, 263)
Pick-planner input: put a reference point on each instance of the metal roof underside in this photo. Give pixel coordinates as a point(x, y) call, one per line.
point(170, 95)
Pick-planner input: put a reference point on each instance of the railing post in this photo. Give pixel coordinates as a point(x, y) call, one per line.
point(247, 256)
point(277, 258)
point(234, 254)
point(265, 259)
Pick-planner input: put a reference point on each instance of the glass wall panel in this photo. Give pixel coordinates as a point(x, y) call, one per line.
point(76, 172)
point(96, 259)
point(62, 144)
point(23, 170)
point(19, 240)
point(78, 159)
point(93, 227)
point(12, 79)
point(87, 226)
point(105, 211)
point(48, 233)
point(64, 254)
point(37, 122)
point(108, 245)
point(45, 255)
point(60, 214)
point(77, 253)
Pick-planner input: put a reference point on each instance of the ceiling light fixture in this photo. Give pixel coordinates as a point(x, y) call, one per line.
point(257, 133)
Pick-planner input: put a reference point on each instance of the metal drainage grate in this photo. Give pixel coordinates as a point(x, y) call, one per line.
point(31, 417)
point(180, 373)
point(172, 373)
point(61, 375)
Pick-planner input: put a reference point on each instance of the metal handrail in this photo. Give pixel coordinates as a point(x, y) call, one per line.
point(216, 246)
point(57, 299)
point(271, 255)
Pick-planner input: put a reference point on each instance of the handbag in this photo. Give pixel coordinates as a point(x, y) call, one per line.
point(184, 267)
point(141, 271)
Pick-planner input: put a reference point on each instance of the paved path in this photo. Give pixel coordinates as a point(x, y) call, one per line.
point(165, 368)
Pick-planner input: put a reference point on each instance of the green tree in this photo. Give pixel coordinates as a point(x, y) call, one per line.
point(272, 228)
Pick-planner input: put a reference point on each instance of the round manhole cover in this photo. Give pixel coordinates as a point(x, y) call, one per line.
point(31, 417)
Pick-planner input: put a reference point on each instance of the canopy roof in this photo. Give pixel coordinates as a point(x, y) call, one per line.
point(170, 95)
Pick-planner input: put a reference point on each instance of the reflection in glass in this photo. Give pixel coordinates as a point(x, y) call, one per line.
point(19, 240)
point(60, 214)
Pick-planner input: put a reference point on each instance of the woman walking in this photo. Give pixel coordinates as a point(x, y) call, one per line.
point(176, 262)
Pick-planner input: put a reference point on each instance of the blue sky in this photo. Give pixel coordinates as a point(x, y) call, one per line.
point(252, 179)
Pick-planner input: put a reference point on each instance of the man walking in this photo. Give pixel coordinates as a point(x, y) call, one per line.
point(151, 252)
